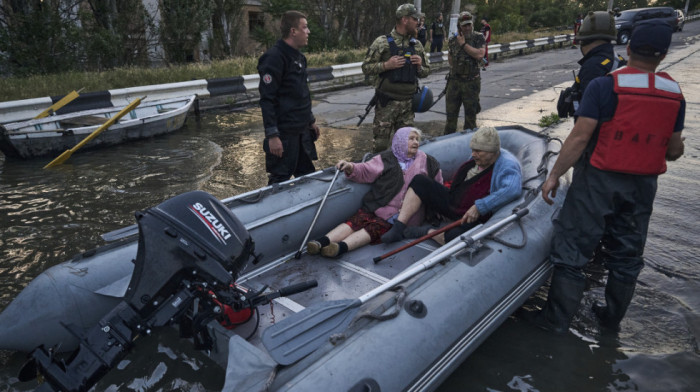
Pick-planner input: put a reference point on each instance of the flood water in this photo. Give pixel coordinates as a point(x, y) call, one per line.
point(47, 216)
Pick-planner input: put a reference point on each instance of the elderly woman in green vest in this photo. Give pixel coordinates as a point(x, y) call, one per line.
point(390, 173)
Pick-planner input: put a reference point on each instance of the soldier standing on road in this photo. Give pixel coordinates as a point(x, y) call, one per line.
point(629, 124)
point(465, 53)
point(398, 59)
point(437, 34)
point(285, 102)
point(422, 33)
point(599, 58)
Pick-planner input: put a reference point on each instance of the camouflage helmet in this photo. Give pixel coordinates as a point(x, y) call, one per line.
point(598, 25)
point(407, 10)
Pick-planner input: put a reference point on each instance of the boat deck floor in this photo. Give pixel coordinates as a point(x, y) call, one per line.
point(346, 277)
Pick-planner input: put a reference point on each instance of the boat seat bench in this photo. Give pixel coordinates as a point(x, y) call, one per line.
point(83, 121)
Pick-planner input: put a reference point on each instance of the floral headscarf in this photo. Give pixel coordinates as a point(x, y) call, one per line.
point(399, 146)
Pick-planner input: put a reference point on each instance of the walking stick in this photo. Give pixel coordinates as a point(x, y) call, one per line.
point(298, 254)
point(418, 240)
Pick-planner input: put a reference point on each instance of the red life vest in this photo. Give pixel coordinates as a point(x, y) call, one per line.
point(635, 140)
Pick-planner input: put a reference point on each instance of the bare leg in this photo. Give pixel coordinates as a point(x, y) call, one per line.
point(340, 233)
point(357, 239)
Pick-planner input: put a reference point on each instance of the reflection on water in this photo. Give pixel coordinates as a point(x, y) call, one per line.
point(47, 216)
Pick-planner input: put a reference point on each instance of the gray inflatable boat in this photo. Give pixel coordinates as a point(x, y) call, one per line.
point(297, 322)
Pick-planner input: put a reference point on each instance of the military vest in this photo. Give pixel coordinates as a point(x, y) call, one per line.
point(400, 83)
point(464, 65)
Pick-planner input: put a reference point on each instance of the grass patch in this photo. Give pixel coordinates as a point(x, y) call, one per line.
point(549, 120)
point(60, 84)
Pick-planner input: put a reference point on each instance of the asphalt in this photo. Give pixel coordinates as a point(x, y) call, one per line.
point(340, 110)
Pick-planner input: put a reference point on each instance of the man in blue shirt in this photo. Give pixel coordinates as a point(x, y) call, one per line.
point(629, 124)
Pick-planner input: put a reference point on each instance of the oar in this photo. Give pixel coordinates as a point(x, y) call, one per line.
point(61, 103)
point(313, 223)
point(302, 333)
point(66, 154)
point(417, 241)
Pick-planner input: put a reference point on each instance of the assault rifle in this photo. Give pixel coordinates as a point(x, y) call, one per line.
point(372, 103)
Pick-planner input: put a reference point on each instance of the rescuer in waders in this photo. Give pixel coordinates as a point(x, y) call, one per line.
point(629, 124)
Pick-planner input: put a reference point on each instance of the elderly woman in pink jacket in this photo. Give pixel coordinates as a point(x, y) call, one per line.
point(390, 173)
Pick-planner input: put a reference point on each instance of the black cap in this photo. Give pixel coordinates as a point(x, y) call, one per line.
point(651, 38)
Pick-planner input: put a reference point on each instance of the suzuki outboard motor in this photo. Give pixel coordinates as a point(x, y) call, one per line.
point(189, 247)
point(191, 236)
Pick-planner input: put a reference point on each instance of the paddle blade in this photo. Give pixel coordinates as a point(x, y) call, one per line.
point(60, 159)
point(301, 334)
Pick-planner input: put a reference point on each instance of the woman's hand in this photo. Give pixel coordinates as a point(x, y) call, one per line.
point(471, 215)
point(346, 167)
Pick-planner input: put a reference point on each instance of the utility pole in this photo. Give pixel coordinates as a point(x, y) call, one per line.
point(453, 17)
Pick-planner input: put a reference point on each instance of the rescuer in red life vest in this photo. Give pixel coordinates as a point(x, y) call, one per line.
point(629, 124)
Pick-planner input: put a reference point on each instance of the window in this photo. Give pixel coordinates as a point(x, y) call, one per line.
point(255, 19)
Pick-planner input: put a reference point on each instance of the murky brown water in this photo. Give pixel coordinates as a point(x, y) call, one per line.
point(49, 215)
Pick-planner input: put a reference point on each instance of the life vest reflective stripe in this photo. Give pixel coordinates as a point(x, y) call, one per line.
point(635, 140)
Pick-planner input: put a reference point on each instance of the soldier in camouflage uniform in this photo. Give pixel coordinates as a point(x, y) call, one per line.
point(465, 52)
point(396, 61)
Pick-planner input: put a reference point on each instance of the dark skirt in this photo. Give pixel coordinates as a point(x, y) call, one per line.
point(374, 225)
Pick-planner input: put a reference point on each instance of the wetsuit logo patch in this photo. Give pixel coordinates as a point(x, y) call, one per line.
point(267, 79)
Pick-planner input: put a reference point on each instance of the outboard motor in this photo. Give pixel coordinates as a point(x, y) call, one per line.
point(190, 247)
point(189, 237)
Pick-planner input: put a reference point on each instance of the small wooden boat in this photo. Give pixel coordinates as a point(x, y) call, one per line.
point(54, 134)
point(347, 324)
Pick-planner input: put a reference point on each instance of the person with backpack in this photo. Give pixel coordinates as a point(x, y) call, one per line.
point(599, 58)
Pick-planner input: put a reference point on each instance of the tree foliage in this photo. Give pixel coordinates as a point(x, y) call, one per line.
point(47, 36)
